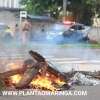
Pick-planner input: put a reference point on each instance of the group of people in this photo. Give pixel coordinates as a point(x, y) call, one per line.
point(21, 31)
point(25, 32)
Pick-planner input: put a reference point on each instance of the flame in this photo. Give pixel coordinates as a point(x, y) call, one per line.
point(60, 82)
point(43, 82)
point(39, 82)
point(47, 82)
point(15, 78)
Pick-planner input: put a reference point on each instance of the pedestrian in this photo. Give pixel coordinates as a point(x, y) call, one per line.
point(9, 34)
point(16, 31)
point(26, 27)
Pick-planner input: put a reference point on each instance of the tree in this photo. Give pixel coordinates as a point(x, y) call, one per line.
point(82, 10)
point(41, 6)
point(85, 10)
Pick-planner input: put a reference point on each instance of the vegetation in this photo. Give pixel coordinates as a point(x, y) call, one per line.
point(41, 7)
point(82, 10)
point(81, 45)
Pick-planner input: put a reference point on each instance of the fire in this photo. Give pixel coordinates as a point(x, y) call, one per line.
point(15, 78)
point(60, 82)
point(43, 82)
point(39, 82)
point(47, 81)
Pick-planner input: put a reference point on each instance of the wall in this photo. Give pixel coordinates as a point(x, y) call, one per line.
point(9, 4)
point(8, 17)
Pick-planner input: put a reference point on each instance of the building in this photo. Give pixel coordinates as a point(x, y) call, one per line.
point(13, 4)
point(9, 11)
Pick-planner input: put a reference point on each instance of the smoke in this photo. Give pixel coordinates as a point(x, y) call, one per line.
point(57, 49)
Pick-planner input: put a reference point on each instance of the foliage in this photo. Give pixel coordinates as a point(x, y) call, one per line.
point(41, 6)
point(83, 10)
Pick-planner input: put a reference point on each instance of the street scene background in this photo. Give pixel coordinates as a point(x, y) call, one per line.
point(51, 29)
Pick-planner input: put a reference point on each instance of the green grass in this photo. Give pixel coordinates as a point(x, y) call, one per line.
point(82, 45)
point(43, 45)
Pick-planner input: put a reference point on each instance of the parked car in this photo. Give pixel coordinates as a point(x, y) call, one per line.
point(80, 28)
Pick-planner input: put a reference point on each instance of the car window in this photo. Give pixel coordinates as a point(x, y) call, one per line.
point(80, 27)
point(77, 27)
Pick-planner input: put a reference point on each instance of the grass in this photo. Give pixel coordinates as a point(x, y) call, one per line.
point(81, 45)
point(47, 45)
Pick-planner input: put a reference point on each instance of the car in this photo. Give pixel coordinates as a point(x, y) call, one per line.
point(76, 33)
point(77, 27)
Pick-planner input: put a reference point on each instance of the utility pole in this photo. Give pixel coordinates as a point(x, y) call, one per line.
point(64, 8)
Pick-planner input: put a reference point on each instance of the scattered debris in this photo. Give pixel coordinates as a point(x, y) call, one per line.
point(82, 79)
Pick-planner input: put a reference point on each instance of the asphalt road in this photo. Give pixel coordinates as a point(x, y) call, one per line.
point(64, 58)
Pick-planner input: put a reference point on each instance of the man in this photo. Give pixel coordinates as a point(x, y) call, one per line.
point(26, 27)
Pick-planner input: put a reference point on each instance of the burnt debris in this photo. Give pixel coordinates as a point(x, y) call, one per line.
point(32, 68)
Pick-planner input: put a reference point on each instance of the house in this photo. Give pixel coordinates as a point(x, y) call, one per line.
point(10, 4)
point(9, 11)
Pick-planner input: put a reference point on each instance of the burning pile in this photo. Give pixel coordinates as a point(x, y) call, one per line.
point(36, 73)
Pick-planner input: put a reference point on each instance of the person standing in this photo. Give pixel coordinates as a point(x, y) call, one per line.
point(26, 27)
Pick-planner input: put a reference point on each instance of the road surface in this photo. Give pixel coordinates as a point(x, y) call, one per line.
point(64, 58)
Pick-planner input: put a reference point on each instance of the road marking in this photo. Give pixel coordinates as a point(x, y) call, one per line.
point(71, 60)
point(62, 59)
point(79, 62)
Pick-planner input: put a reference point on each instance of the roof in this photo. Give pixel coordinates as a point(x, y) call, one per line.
point(40, 18)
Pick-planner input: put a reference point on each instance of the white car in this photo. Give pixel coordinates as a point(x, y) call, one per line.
point(80, 28)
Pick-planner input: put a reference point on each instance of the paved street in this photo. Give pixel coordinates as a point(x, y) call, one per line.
point(64, 58)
